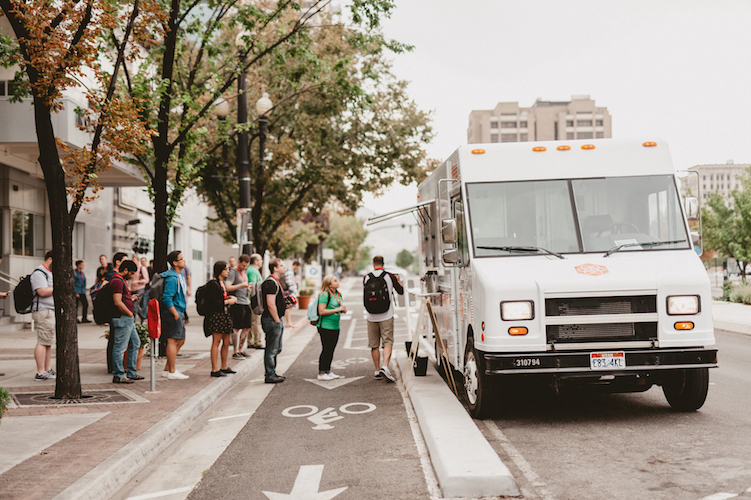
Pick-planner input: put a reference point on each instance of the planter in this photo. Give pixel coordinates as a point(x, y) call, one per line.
point(303, 301)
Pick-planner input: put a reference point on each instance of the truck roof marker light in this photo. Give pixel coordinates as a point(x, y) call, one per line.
point(540, 148)
point(563, 148)
point(684, 325)
point(517, 330)
point(649, 144)
point(478, 151)
point(588, 146)
point(483, 326)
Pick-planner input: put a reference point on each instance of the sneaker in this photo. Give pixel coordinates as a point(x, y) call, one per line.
point(238, 355)
point(378, 375)
point(245, 354)
point(51, 374)
point(137, 377)
point(218, 373)
point(275, 379)
point(387, 374)
point(41, 377)
point(165, 374)
point(228, 371)
point(325, 376)
point(176, 375)
point(334, 375)
point(121, 380)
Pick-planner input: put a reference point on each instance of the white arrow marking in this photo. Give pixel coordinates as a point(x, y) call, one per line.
point(332, 384)
point(306, 486)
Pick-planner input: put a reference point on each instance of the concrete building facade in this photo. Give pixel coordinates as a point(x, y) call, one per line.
point(578, 118)
point(721, 178)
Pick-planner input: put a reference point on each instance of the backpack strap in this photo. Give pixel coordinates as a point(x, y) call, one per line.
point(320, 316)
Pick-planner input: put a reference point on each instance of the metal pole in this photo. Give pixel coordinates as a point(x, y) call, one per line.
point(243, 164)
point(153, 365)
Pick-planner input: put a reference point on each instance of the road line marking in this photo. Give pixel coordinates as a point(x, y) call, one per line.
point(350, 331)
point(231, 416)
point(520, 461)
point(161, 493)
point(721, 496)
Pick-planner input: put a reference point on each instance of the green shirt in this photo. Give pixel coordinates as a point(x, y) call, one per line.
point(330, 321)
point(254, 275)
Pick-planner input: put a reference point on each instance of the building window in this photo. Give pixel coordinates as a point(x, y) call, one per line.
point(197, 255)
point(493, 123)
point(28, 233)
point(569, 123)
point(711, 177)
point(704, 178)
point(523, 138)
point(704, 186)
point(493, 137)
point(600, 135)
point(523, 124)
point(598, 123)
point(508, 138)
point(584, 135)
point(569, 135)
point(584, 123)
point(508, 124)
point(2, 87)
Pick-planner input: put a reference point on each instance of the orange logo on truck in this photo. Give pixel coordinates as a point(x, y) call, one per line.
point(591, 269)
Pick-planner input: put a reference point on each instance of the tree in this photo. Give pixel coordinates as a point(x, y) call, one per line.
point(404, 259)
point(346, 239)
point(57, 46)
point(343, 125)
point(727, 229)
point(191, 62)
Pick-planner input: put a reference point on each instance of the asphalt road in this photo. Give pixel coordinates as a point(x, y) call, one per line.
point(632, 446)
point(351, 438)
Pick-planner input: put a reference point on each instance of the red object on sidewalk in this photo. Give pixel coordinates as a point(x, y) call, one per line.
point(155, 322)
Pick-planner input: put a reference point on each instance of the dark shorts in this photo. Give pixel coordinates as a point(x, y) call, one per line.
point(240, 316)
point(171, 328)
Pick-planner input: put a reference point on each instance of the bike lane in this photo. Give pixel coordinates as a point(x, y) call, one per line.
point(348, 438)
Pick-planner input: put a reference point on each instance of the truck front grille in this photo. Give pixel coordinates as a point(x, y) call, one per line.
point(582, 306)
point(613, 332)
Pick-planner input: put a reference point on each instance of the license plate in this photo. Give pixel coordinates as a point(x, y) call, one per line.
point(607, 360)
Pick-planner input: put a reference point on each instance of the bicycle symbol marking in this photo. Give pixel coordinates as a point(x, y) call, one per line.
point(323, 419)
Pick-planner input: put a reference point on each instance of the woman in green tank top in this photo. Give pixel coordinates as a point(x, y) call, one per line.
point(330, 309)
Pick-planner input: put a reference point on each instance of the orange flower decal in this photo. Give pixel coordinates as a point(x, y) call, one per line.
point(591, 269)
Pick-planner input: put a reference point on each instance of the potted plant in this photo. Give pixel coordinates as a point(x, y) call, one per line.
point(5, 399)
point(305, 295)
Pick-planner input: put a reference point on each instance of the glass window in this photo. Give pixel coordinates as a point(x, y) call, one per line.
point(521, 214)
point(584, 135)
point(522, 124)
point(461, 233)
point(584, 123)
point(523, 138)
point(2, 87)
point(570, 136)
point(598, 123)
point(79, 243)
point(569, 123)
point(493, 137)
point(508, 138)
point(28, 234)
point(493, 123)
point(600, 135)
point(508, 124)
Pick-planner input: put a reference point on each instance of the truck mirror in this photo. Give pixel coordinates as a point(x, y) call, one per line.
point(451, 256)
point(448, 231)
point(691, 205)
point(695, 237)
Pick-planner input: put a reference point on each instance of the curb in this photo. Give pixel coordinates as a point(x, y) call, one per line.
point(464, 462)
point(109, 477)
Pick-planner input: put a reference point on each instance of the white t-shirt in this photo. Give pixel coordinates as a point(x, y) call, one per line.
point(375, 318)
point(42, 280)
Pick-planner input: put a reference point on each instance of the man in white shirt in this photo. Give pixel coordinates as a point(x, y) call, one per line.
point(379, 307)
point(43, 314)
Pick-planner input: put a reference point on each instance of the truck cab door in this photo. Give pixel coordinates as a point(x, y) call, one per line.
point(462, 284)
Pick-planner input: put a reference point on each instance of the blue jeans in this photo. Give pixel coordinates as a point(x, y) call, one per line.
point(123, 330)
point(273, 331)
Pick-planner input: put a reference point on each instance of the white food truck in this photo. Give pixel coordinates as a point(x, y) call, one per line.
point(569, 262)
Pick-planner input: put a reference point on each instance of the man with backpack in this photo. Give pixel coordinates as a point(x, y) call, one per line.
point(43, 314)
point(123, 325)
point(379, 287)
point(274, 306)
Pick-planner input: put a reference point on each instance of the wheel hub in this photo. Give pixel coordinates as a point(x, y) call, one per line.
point(471, 383)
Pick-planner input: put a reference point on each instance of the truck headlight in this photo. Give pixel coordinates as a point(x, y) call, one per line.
point(517, 310)
point(683, 304)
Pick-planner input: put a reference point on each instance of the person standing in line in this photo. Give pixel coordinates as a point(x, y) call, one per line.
point(187, 276)
point(138, 289)
point(79, 284)
point(152, 271)
point(271, 319)
point(43, 314)
point(110, 271)
point(232, 262)
point(254, 276)
point(123, 326)
point(330, 309)
point(174, 302)
point(381, 325)
point(218, 323)
point(290, 278)
point(237, 285)
point(103, 268)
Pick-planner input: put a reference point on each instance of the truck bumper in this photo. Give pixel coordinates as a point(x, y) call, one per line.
point(577, 362)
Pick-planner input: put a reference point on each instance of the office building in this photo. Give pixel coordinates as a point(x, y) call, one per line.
point(721, 178)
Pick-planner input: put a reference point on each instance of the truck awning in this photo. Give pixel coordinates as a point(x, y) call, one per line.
point(377, 219)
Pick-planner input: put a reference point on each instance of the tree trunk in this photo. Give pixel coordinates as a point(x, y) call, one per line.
point(161, 228)
point(68, 382)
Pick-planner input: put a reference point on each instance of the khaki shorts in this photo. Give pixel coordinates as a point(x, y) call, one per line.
point(380, 332)
point(44, 324)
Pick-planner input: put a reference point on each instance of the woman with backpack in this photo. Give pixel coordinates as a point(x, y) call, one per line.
point(330, 309)
point(218, 323)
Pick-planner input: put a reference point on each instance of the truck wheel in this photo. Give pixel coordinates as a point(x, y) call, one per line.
point(477, 385)
point(686, 390)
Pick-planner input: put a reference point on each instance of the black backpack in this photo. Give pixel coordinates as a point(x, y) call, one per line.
point(376, 294)
point(23, 294)
point(202, 305)
point(103, 304)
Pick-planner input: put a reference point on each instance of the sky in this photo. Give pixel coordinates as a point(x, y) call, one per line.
point(675, 69)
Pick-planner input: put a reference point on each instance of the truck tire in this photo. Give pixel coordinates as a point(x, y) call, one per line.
point(686, 390)
point(477, 386)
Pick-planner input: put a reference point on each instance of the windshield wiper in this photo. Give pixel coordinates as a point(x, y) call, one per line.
point(634, 244)
point(524, 249)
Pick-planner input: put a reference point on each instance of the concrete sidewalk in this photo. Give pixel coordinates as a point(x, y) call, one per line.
point(83, 450)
